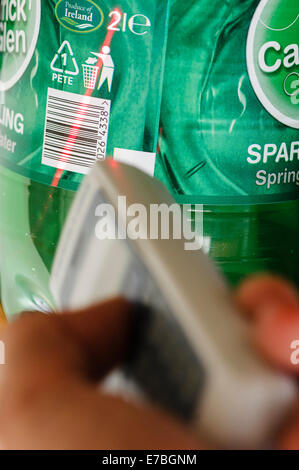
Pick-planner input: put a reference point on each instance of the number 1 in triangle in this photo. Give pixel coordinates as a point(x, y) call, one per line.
point(64, 60)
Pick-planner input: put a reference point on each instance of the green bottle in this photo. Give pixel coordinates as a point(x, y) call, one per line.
point(230, 129)
point(32, 217)
point(79, 81)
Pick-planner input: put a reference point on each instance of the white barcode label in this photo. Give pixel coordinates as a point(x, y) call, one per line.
point(76, 131)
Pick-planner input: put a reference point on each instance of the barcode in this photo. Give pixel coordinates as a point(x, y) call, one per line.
point(76, 131)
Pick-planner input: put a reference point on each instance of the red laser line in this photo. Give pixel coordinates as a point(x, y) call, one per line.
point(79, 116)
point(74, 132)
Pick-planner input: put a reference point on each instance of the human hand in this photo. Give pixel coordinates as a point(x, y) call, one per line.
point(49, 393)
point(49, 397)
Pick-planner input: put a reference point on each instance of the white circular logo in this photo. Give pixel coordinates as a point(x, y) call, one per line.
point(273, 58)
point(19, 30)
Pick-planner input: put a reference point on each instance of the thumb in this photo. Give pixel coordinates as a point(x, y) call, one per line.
point(42, 349)
point(102, 333)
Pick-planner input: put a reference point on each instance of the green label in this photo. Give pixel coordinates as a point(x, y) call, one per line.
point(230, 112)
point(80, 17)
point(80, 81)
point(19, 29)
point(273, 58)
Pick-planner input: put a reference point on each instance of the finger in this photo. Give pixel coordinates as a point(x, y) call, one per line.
point(273, 305)
point(262, 293)
point(274, 333)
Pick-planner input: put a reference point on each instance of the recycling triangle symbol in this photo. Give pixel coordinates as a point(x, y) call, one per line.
point(65, 57)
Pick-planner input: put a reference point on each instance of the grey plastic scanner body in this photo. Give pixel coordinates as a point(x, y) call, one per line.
point(240, 401)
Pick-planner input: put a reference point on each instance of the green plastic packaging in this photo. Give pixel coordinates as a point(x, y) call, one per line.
point(80, 80)
point(230, 128)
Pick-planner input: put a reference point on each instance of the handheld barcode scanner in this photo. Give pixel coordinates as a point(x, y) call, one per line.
point(192, 353)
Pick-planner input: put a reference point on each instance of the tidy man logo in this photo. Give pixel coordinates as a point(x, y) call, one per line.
point(83, 16)
point(273, 58)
